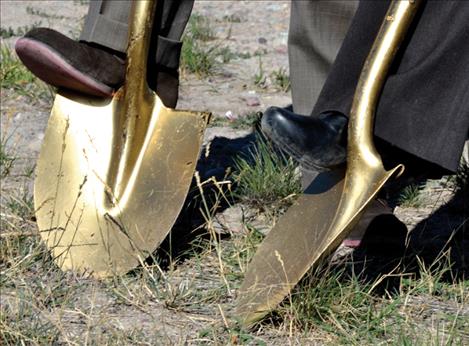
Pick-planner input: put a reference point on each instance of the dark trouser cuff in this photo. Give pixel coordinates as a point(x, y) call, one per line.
point(168, 53)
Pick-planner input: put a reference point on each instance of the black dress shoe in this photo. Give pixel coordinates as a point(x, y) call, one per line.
point(63, 62)
point(317, 143)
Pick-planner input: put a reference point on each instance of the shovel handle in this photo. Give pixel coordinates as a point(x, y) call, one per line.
point(136, 99)
point(373, 75)
point(142, 15)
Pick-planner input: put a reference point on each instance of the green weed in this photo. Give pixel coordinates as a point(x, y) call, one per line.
point(461, 179)
point(199, 28)
point(410, 196)
point(81, 2)
point(37, 12)
point(196, 58)
point(344, 306)
point(266, 178)
point(281, 79)
point(260, 78)
point(19, 31)
point(244, 121)
point(7, 158)
point(225, 54)
point(15, 76)
point(232, 18)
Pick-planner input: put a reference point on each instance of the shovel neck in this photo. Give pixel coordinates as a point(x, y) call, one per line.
point(138, 47)
point(373, 75)
point(135, 102)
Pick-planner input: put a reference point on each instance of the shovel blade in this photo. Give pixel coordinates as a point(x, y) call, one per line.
point(287, 251)
point(88, 228)
point(311, 229)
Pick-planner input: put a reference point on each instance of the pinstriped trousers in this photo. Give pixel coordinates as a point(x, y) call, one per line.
point(107, 24)
point(317, 29)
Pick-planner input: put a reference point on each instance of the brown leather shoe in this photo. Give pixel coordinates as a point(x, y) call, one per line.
point(65, 63)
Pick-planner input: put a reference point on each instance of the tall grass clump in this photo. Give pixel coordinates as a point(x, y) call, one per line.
point(196, 56)
point(7, 158)
point(344, 306)
point(266, 178)
point(410, 196)
point(15, 76)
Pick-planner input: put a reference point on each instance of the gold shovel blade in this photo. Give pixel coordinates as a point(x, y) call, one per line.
point(86, 227)
point(323, 216)
point(113, 175)
point(311, 229)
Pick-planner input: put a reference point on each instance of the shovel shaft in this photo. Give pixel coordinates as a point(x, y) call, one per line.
point(322, 217)
point(143, 12)
point(373, 75)
point(138, 100)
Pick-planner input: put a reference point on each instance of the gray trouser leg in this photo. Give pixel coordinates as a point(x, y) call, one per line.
point(107, 25)
point(107, 21)
point(317, 29)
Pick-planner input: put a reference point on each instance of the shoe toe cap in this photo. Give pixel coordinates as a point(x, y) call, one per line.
point(271, 117)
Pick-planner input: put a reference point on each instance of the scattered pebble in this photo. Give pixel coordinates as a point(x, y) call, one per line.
point(252, 101)
point(230, 116)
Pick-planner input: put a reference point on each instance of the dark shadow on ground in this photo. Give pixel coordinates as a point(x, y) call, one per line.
point(441, 237)
point(189, 227)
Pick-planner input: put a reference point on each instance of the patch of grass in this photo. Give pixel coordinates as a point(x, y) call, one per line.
point(37, 12)
point(260, 78)
point(7, 158)
point(266, 178)
point(21, 205)
point(410, 196)
point(232, 18)
point(330, 300)
point(20, 328)
point(239, 252)
point(197, 58)
point(281, 79)
point(244, 55)
point(15, 76)
point(461, 180)
point(19, 31)
point(225, 54)
point(199, 28)
point(81, 2)
point(260, 52)
point(245, 121)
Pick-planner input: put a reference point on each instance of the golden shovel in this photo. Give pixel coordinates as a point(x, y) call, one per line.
point(113, 174)
point(322, 217)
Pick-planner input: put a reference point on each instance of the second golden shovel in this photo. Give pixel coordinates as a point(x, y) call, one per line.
point(113, 174)
point(322, 217)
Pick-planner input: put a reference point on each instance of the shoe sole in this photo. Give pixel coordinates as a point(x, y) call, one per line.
point(51, 67)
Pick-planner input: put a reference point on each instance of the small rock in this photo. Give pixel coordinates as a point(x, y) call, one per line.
point(230, 116)
point(281, 49)
point(226, 74)
point(252, 101)
point(262, 40)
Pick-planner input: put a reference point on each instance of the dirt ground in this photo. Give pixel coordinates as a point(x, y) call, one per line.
point(171, 316)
